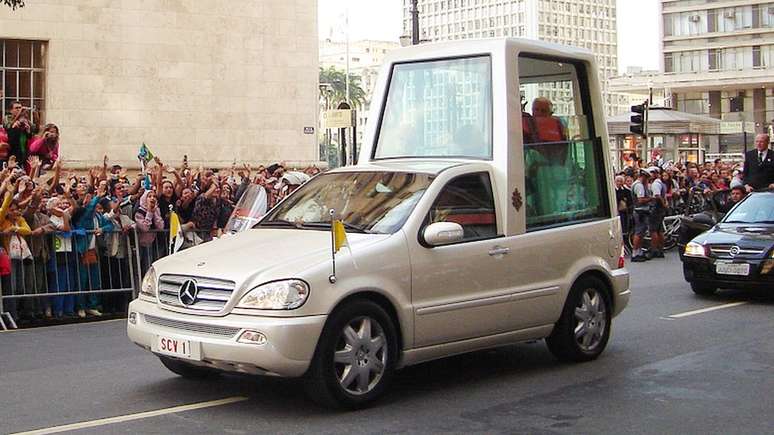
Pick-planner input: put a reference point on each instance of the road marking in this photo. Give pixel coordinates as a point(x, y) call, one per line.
point(130, 417)
point(706, 310)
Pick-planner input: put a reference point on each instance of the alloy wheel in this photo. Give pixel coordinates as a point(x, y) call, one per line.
point(360, 357)
point(591, 320)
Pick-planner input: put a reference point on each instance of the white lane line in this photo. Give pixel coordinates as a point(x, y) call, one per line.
point(130, 417)
point(706, 310)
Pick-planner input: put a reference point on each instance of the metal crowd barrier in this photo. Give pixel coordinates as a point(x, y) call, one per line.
point(62, 273)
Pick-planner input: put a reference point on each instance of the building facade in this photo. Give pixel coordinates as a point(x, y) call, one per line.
point(717, 61)
point(219, 81)
point(583, 23)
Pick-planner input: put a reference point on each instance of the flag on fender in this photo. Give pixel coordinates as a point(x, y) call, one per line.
point(339, 236)
point(175, 233)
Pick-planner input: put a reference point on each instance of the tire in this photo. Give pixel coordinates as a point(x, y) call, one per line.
point(355, 357)
point(188, 371)
point(703, 289)
point(588, 309)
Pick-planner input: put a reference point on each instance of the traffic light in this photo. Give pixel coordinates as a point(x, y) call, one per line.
point(640, 120)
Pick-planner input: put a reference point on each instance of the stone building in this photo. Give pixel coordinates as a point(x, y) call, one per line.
point(218, 80)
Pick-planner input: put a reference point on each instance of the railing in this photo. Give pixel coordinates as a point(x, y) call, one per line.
point(77, 273)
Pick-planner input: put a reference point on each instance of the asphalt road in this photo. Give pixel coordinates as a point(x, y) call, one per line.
point(709, 372)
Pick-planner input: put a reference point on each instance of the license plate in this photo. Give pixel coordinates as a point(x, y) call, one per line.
point(741, 269)
point(177, 347)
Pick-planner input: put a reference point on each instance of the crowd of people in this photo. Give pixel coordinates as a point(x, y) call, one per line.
point(646, 193)
point(68, 231)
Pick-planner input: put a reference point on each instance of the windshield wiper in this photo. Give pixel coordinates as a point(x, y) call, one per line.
point(737, 222)
point(281, 223)
point(348, 227)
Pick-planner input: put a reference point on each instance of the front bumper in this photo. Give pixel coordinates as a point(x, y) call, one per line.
point(702, 270)
point(621, 291)
point(289, 348)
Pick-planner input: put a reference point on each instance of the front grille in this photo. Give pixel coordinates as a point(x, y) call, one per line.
point(724, 251)
point(212, 297)
point(220, 331)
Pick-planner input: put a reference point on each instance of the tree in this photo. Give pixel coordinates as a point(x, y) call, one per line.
point(13, 4)
point(337, 79)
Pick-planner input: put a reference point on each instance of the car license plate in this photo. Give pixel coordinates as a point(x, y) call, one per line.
point(740, 269)
point(177, 347)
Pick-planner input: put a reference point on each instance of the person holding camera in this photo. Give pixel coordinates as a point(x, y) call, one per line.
point(19, 129)
point(46, 146)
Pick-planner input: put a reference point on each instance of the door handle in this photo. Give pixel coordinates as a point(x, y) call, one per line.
point(499, 250)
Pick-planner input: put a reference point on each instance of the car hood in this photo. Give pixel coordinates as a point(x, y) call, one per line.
point(263, 252)
point(742, 235)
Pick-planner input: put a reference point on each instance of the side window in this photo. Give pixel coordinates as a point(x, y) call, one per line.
point(563, 158)
point(468, 201)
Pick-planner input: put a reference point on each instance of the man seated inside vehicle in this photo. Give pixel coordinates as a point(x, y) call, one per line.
point(541, 125)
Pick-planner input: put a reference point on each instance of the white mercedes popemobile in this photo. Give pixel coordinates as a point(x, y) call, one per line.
point(480, 214)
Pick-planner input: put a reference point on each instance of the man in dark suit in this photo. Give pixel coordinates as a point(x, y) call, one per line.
point(759, 165)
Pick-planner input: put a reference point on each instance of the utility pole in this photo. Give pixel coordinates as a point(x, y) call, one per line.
point(414, 22)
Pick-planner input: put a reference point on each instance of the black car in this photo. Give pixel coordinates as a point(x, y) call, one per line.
point(703, 211)
point(738, 252)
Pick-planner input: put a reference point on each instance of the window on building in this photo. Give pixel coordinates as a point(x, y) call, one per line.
point(714, 59)
point(668, 23)
point(23, 74)
point(756, 57)
point(712, 20)
point(669, 65)
point(756, 16)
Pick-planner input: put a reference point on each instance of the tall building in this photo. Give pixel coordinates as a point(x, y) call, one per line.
point(582, 23)
point(717, 58)
point(718, 61)
point(187, 77)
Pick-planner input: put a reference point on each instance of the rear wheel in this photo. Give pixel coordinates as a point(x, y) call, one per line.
point(355, 357)
point(583, 330)
point(188, 371)
point(703, 289)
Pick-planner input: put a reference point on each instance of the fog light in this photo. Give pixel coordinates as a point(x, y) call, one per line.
point(252, 337)
point(133, 318)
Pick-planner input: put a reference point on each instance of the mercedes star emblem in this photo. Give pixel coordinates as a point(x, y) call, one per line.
point(734, 251)
point(188, 292)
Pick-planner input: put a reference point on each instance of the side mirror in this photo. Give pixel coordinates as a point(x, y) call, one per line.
point(443, 233)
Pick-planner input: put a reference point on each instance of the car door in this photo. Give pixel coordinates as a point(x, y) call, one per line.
point(461, 290)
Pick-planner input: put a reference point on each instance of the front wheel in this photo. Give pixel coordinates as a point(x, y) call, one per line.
point(583, 330)
point(355, 357)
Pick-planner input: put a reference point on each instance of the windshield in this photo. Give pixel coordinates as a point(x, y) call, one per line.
point(370, 202)
point(757, 209)
point(439, 108)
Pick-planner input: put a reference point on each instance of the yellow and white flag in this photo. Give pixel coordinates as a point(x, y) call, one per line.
point(175, 233)
point(339, 236)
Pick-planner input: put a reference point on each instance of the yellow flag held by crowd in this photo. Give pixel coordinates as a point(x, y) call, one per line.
point(339, 236)
point(175, 233)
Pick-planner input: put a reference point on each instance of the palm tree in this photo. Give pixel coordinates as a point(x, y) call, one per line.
point(337, 80)
point(13, 4)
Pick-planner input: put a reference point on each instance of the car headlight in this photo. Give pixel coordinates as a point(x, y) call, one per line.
point(278, 295)
point(148, 287)
point(693, 249)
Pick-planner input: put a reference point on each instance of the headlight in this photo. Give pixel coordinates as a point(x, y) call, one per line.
point(693, 249)
point(148, 287)
point(278, 295)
